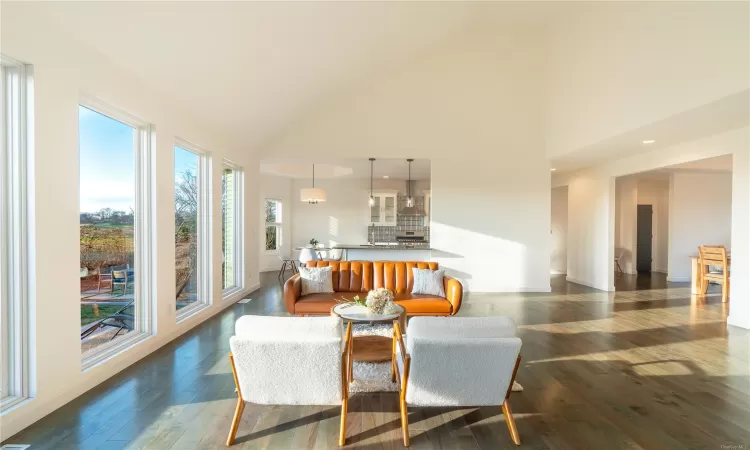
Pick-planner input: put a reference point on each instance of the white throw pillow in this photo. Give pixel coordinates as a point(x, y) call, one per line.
point(429, 282)
point(316, 280)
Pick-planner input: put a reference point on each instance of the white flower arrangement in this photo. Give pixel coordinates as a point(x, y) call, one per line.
point(380, 300)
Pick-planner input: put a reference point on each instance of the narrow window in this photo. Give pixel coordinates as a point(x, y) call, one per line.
point(15, 259)
point(273, 225)
point(231, 229)
point(192, 225)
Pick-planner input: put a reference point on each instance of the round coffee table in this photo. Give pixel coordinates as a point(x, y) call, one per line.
point(369, 348)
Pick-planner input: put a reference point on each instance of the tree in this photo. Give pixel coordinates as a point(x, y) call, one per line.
point(186, 228)
point(105, 213)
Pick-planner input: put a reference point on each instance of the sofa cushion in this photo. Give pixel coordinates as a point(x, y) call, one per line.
point(316, 280)
point(348, 276)
point(428, 281)
point(398, 275)
point(413, 303)
point(422, 303)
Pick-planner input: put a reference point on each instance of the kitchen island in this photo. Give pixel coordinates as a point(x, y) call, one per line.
point(384, 252)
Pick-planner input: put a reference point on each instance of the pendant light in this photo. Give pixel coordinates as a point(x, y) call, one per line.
point(312, 195)
point(409, 198)
point(372, 199)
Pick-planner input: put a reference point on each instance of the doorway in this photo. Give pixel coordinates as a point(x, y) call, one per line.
point(645, 238)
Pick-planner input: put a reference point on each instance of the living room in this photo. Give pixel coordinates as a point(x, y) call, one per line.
point(136, 139)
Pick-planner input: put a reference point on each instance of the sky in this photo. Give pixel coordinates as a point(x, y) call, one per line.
point(107, 162)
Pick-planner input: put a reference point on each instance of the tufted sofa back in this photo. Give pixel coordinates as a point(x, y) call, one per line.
point(363, 276)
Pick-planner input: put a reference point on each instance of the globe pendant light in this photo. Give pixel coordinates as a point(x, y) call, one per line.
point(372, 199)
point(312, 195)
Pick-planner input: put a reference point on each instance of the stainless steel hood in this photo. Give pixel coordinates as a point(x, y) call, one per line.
point(411, 210)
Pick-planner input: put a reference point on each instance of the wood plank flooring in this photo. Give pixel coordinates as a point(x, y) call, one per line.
point(652, 369)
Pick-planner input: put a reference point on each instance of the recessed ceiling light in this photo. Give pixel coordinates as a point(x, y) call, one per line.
point(648, 141)
point(552, 169)
point(385, 176)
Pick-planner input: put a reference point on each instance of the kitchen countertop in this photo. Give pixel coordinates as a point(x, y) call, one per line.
point(381, 247)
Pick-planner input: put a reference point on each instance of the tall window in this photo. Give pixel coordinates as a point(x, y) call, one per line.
point(191, 230)
point(231, 229)
point(114, 227)
point(15, 142)
point(273, 225)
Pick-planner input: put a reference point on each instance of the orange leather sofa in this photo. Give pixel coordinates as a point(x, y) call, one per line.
point(352, 278)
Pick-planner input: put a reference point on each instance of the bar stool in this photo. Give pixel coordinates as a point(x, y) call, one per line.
point(285, 262)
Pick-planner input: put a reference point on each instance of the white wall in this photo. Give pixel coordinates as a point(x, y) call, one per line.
point(64, 69)
point(473, 107)
point(591, 215)
point(700, 214)
point(739, 295)
point(626, 227)
point(656, 194)
point(618, 66)
point(278, 188)
point(559, 230)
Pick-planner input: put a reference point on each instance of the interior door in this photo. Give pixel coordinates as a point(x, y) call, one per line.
point(645, 237)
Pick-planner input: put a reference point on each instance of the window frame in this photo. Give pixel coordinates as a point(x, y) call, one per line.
point(278, 224)
point(205, 229)
point(16, 231)
point(144, 229)
point(238, 223)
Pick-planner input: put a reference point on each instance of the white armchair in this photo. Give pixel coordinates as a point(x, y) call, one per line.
point(456, 361)
point(290, 361)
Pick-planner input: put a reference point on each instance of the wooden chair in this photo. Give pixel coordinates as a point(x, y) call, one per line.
point(291, 361)
point(121, 278)
point(710, 256)
point(287, 263)
point(456, 362)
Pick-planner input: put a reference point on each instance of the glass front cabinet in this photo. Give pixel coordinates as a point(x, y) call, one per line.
point(384, 209)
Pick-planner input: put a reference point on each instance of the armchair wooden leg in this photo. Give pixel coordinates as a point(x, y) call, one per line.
point(393, 360)
point(508, 413)
point(236, 421)
point(342, 431)
point(404, 422)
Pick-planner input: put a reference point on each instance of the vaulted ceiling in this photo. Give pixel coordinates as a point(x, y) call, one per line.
point(251, 69)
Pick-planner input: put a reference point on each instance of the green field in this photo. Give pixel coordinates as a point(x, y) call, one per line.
point(89, 313)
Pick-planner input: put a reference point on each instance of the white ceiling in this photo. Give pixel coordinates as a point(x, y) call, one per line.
point(719, 164)
point(250, 69)
point(394, 169)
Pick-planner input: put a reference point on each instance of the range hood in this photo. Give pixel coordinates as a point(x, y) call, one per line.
point(411, 210)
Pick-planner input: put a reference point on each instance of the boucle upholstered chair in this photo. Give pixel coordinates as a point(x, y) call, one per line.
point(456, 361)
point(290, 361)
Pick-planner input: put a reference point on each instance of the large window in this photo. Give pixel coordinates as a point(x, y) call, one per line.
point(231, 229)
point(15, 259)
point(115, 226)
point(191, 228)
point(273, 225)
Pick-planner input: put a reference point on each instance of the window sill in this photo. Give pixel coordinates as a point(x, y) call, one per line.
point(9, 403)
point(189, 311)
point(230, 292)
point(272, 252)
point(95, 357)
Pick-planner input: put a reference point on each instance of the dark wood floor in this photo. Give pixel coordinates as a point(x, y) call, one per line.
point(654, 369)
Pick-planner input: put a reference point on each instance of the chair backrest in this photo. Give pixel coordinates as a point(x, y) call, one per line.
point(364, 276)
point(460, 361)
point(288, 360)
point(308, 254)
point(712, 255)
point(120, 274)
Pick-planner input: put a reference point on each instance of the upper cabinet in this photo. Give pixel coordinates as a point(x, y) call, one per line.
point(384, 210)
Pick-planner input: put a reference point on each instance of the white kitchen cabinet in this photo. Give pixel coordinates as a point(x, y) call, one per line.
point(384, 210)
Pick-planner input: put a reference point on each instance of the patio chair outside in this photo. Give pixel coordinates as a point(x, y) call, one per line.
point(121, 278)
point(123, 319)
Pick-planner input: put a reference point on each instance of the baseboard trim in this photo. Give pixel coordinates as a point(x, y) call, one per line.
point(736, 322)
point(660, 270)
point(678, 279)
point(511, 289)
point(586, 283)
